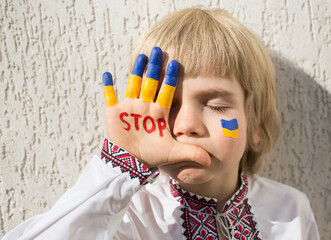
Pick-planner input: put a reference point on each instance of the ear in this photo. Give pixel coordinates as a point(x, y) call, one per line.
point(257, 136)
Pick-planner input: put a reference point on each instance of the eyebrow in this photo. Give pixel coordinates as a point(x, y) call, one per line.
point(216, 93)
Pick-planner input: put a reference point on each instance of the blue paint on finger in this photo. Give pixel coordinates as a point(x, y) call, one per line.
point(156, 56)
point(154, 64)
point(107, 79)
point(172, 73)
point(139, 65)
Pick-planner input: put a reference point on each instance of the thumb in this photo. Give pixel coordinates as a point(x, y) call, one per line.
point(181, 152)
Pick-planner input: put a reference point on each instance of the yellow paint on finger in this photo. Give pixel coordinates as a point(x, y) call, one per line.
point(133, 88)
point(110, 96)
point(148, 89)
point(229, 133)
point(165, 96)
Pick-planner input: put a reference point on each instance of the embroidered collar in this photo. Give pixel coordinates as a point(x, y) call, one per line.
point(239, 196)
point(199, 214)
point(196, 202)
point(192, 201)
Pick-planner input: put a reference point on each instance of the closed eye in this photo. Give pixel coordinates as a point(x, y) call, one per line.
point(217, 108)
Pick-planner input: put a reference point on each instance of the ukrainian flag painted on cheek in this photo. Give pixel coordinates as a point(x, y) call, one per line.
point(230, 128)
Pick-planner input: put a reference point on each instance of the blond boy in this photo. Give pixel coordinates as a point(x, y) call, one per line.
point(206, 128)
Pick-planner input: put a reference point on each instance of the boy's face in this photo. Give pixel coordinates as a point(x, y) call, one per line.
point(199, 105)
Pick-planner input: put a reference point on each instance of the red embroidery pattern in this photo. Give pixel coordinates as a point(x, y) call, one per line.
point(115, 156)
point(199, 215)
point(239, 217)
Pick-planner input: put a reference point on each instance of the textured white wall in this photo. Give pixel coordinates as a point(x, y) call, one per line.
point(53, 54)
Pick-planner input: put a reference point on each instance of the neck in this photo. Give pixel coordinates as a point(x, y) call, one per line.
point(222, 188)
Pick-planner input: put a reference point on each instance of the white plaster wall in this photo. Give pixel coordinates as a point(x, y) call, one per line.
point(53, 54)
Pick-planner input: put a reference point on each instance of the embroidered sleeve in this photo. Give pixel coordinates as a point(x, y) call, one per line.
point(117, 157)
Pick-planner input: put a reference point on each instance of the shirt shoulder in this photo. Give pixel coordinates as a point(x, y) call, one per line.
point(280, 210)
point(152, 212)
point(275, 192)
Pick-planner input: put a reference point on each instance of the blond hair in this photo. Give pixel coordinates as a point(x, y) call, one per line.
point(212, 42)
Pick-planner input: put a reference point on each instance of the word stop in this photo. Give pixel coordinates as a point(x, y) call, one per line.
point(148, 123)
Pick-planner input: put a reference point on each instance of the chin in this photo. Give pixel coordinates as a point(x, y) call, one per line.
point(190, 176)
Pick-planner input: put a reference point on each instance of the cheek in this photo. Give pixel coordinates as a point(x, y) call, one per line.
point(231, 140)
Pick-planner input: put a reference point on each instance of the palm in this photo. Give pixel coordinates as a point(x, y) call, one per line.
point(125, 126)
point(140, 125)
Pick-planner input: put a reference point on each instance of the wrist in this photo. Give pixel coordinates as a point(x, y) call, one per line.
point(117, 157)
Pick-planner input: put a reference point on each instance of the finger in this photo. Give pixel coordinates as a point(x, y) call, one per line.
point(185, 152)
point(168, 89)
point(151, 81)
point(134, 83)
point(108, 90)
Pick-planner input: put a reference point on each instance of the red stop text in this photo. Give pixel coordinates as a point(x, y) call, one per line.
point(148, 123)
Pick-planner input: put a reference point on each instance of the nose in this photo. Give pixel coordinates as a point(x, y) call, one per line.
point(188, 121)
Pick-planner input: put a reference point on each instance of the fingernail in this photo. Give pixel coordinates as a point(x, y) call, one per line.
point(154, 64)
point(139, 65)
point(172, 73)
point(107, 79)
point(156, 56)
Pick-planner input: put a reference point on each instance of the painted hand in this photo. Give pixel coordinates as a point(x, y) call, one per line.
point(139, 124)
